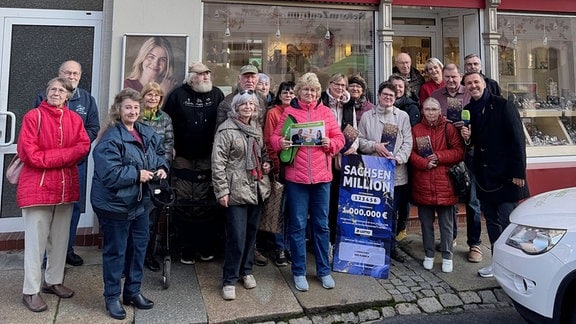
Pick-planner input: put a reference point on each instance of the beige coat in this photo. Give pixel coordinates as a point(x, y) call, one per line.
point(229, 173)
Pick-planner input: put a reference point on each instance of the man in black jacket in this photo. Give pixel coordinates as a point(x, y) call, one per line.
point(193, 108)
point(499, 156)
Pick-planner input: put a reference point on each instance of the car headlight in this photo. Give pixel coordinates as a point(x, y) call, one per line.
point(532, 240)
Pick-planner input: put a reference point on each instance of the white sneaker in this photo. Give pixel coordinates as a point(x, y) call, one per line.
point(428, 263)
point(229, 292)
point(446, 265)
point(486, 272)
point(249, 281)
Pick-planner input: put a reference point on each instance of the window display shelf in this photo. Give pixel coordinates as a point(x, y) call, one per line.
point(547, 135)
point(540, 113)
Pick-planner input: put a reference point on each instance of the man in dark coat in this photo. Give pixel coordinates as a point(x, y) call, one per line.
point(499, 156)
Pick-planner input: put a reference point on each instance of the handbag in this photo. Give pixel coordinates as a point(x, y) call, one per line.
point(16, 164)
point(272, 220)
point(14, 169)
point(459, 175)
point(460, 179)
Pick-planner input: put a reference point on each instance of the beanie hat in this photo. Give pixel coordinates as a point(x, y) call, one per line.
point(358, 80)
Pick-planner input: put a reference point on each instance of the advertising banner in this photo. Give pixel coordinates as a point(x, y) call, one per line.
point(365, 211)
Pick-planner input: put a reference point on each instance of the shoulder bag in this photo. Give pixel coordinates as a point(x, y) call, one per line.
point(459, 175)
point(16, 164)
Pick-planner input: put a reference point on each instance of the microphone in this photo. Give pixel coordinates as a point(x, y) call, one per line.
point(465, 116)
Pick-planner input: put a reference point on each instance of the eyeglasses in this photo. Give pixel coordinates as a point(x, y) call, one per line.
point(152, 95)
point(340, 85)
point(71, 73)
point(243, 92)
point(387, 95)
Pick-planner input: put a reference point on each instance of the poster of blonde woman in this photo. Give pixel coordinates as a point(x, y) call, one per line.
point(158, 58)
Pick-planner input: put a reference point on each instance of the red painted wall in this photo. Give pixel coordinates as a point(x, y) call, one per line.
point(546, 179)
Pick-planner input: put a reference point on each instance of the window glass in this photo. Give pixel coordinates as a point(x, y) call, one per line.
point(536, 66)
point(286, 42)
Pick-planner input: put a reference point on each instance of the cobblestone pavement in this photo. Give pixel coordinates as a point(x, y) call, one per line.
point(414, 291)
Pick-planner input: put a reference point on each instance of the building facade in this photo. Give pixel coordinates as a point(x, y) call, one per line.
point(528, 46)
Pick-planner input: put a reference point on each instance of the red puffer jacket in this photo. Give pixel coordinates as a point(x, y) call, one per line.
point(313, 164)
point(434, 187)
point(50, 156)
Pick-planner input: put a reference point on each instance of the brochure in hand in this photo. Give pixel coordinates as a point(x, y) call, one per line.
point(424, 146)
point(350, 135)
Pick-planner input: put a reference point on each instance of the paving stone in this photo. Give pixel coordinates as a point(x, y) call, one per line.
point(396, 282)
point(403, 289)
point(417, 278)
point(398, 298)
point(428, 292)
point(504, 304)
point(450, 300)
point(301, 320)
point(470, 307)
point(388, 286)
point(487, 297)
point(269, 322)
point(439, 290)
point(407, 309)
point(425, 285)
point(388, 311)
point(410, 297)
point(325, 319)
point(469, 297)
point(393, 292)
point(404, 277)
point(430, 305)
point(415, 289)
point(367, 315)
point(419, 294)
point(349, 318)
point(502, 296)
point(410, 283)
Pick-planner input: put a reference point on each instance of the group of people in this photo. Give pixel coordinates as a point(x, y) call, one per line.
point(226, 149)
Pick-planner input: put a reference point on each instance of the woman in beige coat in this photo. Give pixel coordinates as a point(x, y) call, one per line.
point(239, 168)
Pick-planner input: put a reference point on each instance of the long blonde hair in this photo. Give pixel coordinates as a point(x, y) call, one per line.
point(148, 46)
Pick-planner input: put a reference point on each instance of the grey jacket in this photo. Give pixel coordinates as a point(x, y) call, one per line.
point(229, 173)
point(371, 127)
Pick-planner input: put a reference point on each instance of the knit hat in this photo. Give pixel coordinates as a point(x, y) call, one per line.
point(358, 80)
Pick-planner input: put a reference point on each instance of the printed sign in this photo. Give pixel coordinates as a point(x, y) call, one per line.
point(365, 211)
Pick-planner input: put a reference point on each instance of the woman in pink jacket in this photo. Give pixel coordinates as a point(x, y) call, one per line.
point(308, 181)
point(51, 143)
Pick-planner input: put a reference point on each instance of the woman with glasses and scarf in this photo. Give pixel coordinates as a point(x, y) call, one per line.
point(239, 168)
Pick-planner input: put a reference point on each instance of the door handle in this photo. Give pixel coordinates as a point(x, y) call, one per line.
point(12, 127)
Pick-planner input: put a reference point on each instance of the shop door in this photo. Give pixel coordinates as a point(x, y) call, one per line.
point(33, 45)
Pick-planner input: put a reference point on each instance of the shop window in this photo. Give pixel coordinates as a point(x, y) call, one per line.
point(286, 42)
point(536, 65)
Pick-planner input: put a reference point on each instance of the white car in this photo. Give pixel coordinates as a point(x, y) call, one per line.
point(535, 257)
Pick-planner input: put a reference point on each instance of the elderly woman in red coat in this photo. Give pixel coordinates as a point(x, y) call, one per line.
point(51, 143)
point(437, 146)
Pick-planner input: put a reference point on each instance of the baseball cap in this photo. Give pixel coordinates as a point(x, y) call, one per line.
point(248, 69)
point(198, 67)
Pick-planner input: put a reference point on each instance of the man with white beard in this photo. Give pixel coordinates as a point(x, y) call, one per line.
point(193, 108)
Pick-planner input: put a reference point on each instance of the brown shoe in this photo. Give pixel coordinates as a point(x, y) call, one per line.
point(34, 302)
point(475, 254)
point(58, 290)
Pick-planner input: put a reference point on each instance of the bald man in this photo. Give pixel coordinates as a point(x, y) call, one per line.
point(403, 67)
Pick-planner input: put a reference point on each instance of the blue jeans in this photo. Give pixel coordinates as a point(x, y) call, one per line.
point(241, 228)
point(303, 200)
point(124, 250)
point(77, 207)
point(497, 218)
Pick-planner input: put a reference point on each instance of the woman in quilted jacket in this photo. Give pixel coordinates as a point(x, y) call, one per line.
point(239, 176)
point(437, 146)
point(51, 143)
point(308, 181)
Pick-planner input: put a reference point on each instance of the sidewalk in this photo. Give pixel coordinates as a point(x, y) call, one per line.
point(194, 294)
